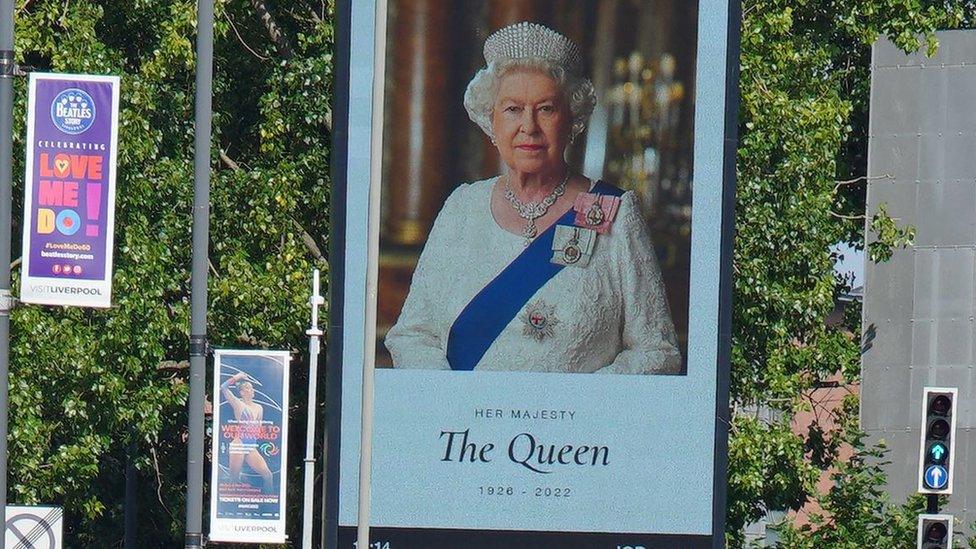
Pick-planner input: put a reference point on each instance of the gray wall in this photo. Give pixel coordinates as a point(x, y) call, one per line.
point(919, 306)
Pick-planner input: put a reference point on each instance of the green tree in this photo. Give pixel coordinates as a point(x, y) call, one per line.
point(85, 385)
point(805, 77)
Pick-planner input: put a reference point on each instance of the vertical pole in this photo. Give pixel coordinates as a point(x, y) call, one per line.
point(198, 276)
point(6, 163)
point(131, 494)
point(314, 333)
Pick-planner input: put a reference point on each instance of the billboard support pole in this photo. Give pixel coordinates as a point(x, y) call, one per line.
point(198, 278)
point(131, 505)
point(7, 70)
point(314, 333)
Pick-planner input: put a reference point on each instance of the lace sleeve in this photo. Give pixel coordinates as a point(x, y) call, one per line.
point(416, 340)
point(649, 345)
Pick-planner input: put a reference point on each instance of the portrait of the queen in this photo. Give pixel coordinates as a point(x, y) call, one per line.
point(534, 261)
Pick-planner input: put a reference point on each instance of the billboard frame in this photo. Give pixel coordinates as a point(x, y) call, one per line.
point(339, 252)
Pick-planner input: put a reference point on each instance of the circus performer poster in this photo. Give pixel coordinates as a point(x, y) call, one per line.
point(249, 446)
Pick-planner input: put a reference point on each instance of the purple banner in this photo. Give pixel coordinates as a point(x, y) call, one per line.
point(69, 201)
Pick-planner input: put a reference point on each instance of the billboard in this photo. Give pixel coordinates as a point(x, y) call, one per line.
point(69, 197)
point(249, 446)
point(530, 273)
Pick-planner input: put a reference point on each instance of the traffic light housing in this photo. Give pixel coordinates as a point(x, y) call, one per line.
point(937, 445)
point(934, 532)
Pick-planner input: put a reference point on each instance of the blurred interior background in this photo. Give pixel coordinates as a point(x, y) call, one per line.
point(640, 55)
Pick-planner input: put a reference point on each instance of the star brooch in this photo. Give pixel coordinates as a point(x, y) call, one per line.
point(539, 320)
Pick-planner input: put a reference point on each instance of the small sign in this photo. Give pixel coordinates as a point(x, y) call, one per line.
point(936, 477)
point(34, 527)
point(69, 200)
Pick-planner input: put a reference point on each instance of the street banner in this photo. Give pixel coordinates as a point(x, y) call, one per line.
point(250, 446)
point(69, 196)
point(531, 272)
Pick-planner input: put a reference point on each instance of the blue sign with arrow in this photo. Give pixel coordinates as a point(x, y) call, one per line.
point(936, 477)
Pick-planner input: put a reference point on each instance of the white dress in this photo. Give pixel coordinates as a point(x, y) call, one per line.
point(612, 314)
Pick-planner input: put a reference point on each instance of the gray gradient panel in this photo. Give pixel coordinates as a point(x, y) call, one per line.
point(919, 307)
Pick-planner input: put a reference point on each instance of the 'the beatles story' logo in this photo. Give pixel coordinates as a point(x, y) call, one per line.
point(73, 111)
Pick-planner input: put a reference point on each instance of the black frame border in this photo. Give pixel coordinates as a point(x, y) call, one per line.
point(725, 289)
point(338, 160)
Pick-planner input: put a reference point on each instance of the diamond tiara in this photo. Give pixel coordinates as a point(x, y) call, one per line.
point(523, 40)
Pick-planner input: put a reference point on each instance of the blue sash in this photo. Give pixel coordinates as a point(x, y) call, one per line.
point(485, 316)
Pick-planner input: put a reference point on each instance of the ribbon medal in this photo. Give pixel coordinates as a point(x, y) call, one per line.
point(572, 246)
point(595, 211)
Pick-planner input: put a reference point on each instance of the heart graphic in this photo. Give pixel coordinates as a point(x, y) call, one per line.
point(61, 166)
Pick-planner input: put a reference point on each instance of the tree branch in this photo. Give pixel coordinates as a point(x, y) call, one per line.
point(849, 217)
point(159, 481)
point(228, 161)
point(274, 31)
point(241, 39)
point(309, 242)
point(839, 184)
point(315, 16)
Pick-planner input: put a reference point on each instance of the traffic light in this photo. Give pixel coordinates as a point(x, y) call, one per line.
point(937, 446)
point(934, 532)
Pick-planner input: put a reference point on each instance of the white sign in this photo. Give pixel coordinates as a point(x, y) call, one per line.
point(34, 527)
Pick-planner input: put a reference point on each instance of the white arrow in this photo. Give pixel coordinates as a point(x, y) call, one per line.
point(936, 475)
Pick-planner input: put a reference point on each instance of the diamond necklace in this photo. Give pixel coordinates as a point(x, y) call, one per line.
point(533, 210)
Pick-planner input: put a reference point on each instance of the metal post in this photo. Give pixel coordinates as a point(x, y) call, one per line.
point(198, 276)
point(6, 163)
point(131, 520)
point(932, 504)
point(314, 333)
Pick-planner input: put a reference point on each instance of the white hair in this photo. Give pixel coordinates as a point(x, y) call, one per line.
point(479, 97)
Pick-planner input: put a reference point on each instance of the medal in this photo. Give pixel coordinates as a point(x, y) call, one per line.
point(572, 252)
point(595, 211)
point(572, 246)
point(594, 215)
point(538, 320)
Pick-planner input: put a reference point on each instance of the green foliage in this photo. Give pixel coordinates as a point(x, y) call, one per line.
point(887, 235)
point(804, 86)
point(85, 384)
point(856, 512)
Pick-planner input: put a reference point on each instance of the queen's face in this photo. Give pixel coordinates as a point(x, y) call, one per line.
point(531, 121)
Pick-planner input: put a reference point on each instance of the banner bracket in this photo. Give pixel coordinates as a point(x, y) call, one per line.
point(195, 540)
point(9, 68)
point(7, 302)
point(199, 346)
